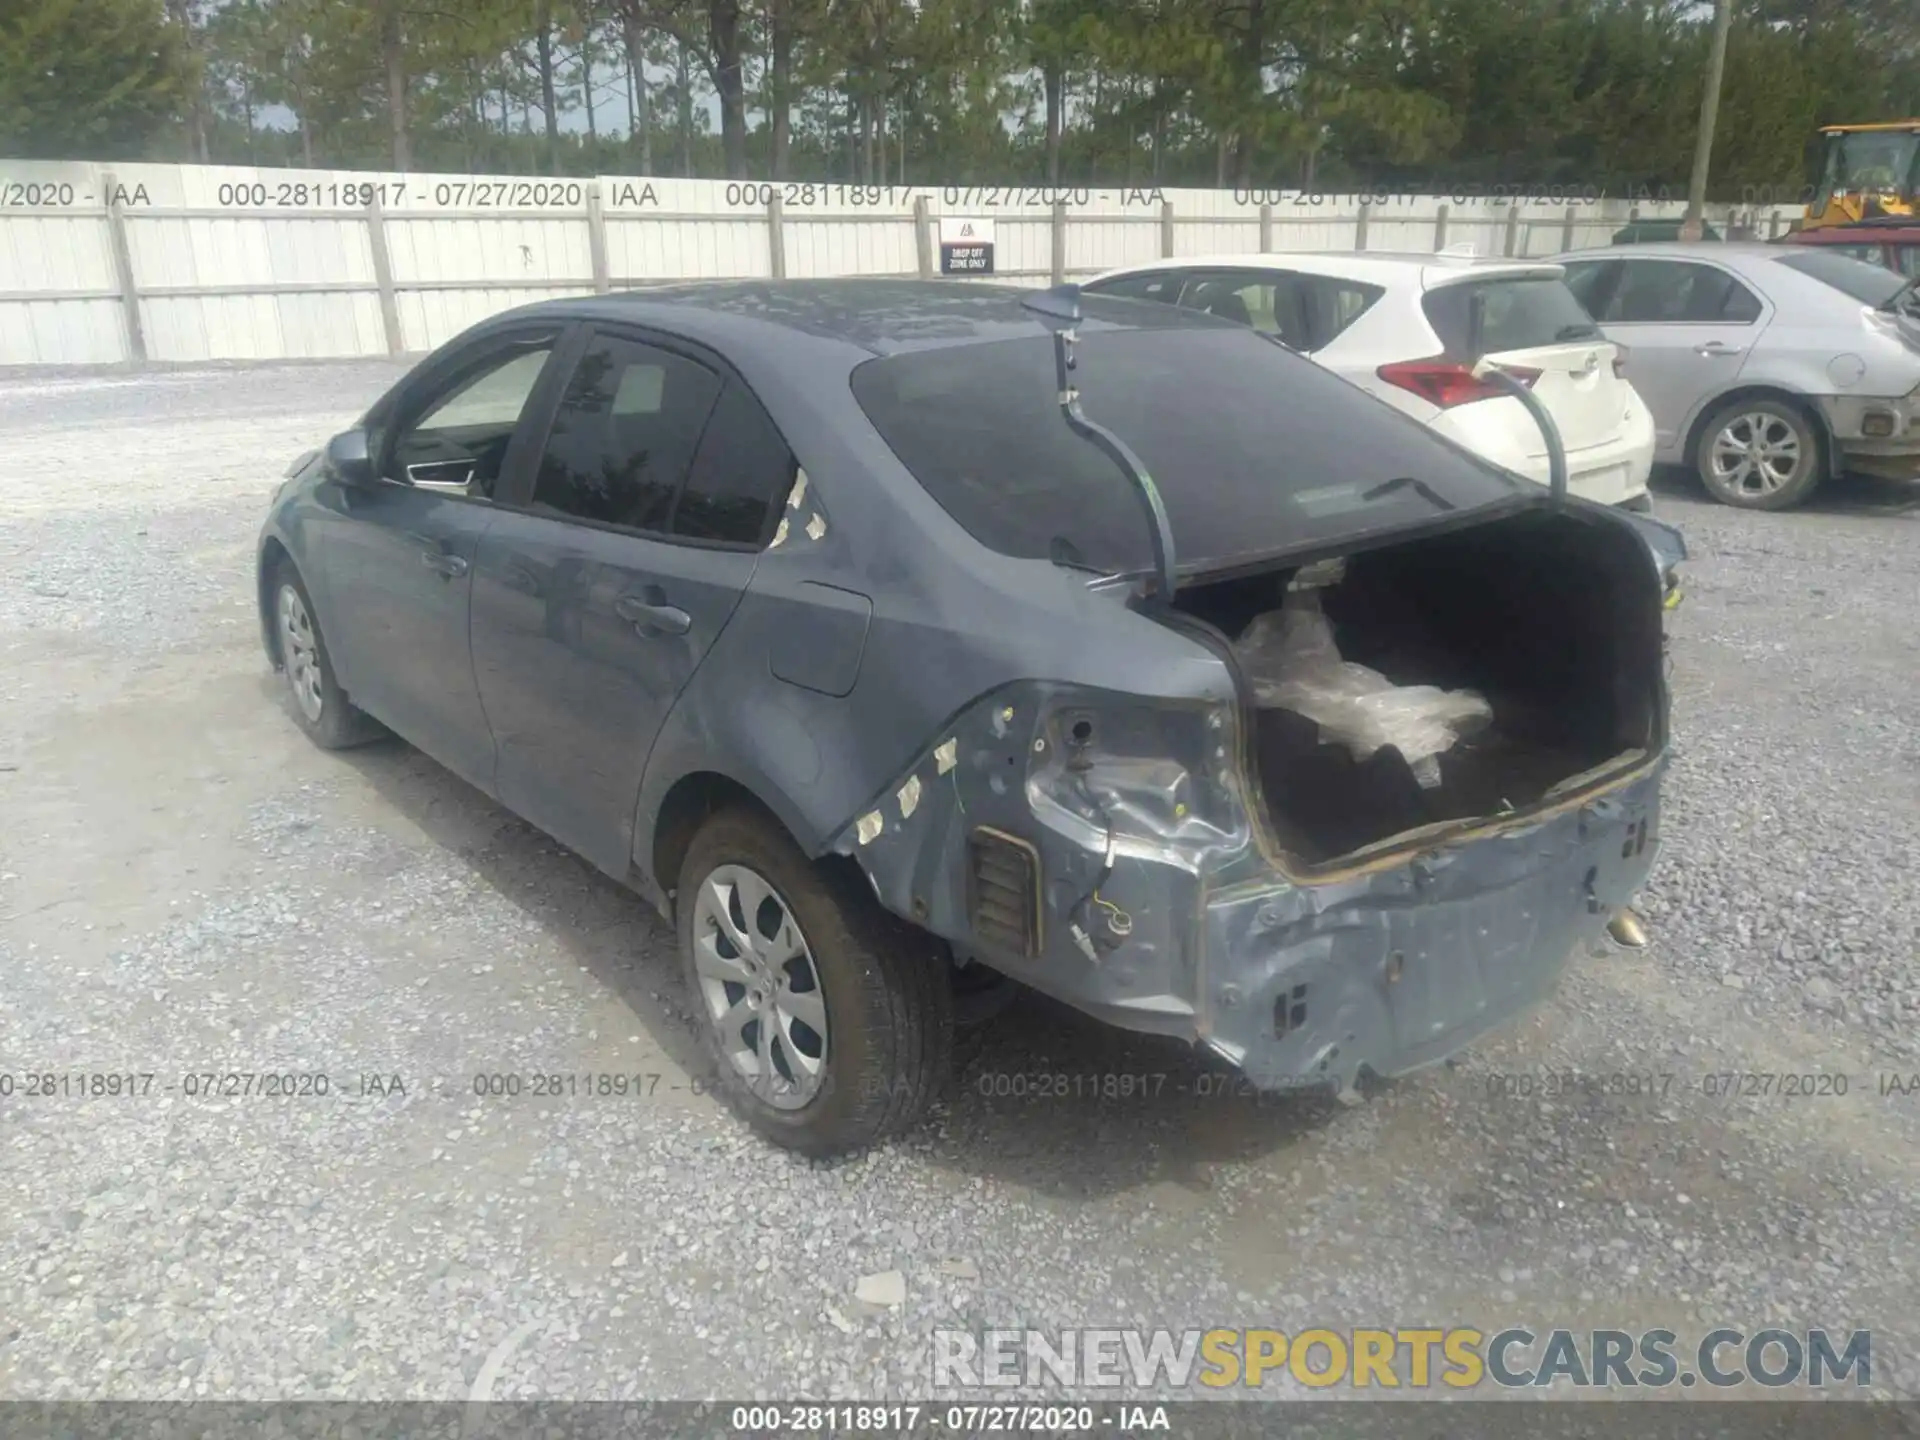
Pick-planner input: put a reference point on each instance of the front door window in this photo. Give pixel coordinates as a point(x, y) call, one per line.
point(458, 441)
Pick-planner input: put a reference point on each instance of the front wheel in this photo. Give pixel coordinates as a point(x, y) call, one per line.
point(331, 721)
point(827, 1019)
point(1760, 454)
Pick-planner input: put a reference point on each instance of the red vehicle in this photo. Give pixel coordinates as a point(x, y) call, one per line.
point(1892, 241)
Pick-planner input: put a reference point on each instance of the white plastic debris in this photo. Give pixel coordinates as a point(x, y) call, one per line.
point(888, 1287)
point(1291, 660)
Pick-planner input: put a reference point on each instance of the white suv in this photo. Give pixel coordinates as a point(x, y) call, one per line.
point(1409, 329)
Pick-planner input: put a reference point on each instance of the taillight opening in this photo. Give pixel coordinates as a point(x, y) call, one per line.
point(1447, 383)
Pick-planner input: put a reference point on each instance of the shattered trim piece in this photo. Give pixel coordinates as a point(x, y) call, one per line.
point(816, 527)
point(909, 797)
point(946, 755)
point(868, 829)
point(799, 491)
point(780, 535)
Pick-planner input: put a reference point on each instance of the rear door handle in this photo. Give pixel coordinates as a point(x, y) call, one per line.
point(1716, 347)
point(451, 566)
point(648, 615)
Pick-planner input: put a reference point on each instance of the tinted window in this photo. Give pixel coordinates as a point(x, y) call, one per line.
point(1303, 311)
point(742, 473)
point(1161, 285)
point(1515, 314)
point(1333, 304)
point(1869, 284)
point(1254, 450)
point(1906, 259)
point(1868, 254)
point(1676, 292)
point(1249, 300)
point(624, 434)
point(1587, 279)
point(460, 439)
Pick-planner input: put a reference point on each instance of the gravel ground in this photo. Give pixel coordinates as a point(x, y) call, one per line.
point(187, 886)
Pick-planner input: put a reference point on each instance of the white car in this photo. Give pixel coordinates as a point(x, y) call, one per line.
point(1409, 329)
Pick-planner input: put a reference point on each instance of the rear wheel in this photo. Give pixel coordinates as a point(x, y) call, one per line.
point(828, 1020)
point(320, 706)
point(1760, 454)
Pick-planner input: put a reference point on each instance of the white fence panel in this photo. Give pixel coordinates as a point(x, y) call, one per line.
point(860, 243)
point(104, 264)
point(59, 297)
point(62, 332)
point(1112, 241)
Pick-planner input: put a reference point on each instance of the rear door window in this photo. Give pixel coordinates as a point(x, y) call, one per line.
point(1304, 312)
point(1679, 292)
point(1592, 282)
point(1268, 301)
point(624, 435)
point(1514, 313)
point(740, 477)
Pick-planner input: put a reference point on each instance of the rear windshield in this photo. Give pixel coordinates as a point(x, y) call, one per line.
point(1255, 450)
point(1520, 313)
point(1869, 284)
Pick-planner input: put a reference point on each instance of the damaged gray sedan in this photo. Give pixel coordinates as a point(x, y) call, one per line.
point(888, 635)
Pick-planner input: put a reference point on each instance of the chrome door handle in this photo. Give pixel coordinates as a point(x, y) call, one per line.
point(1717, 348)
point(451, 566)
point(646, 615)
point(450, 476)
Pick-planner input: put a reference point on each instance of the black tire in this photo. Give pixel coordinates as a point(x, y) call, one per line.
point(980, 995)
point(335, 722)
point(888, 1047)
point(1777, 418)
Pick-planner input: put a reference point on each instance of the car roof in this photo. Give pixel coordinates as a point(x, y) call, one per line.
point(1430, 268)
point(874, 316)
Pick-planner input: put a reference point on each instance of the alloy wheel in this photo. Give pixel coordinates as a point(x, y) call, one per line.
point(1755, 453)
point(760, 987)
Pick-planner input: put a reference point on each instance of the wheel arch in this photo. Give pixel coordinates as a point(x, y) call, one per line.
point(273, 554)
point(1697, 428)
point(687, 804)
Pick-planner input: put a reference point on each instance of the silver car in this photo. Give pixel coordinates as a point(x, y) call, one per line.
point(1767, 367)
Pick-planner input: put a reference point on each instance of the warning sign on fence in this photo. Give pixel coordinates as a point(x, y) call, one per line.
point(966, 246)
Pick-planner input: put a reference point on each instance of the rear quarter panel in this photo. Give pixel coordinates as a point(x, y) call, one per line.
point(949, 621)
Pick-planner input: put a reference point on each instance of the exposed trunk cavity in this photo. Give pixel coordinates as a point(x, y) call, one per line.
point(1539, 637)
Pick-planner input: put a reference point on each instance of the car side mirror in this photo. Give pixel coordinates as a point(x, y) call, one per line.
point(348, 458)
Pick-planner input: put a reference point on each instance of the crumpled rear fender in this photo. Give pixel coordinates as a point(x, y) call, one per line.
point(1158, 907)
